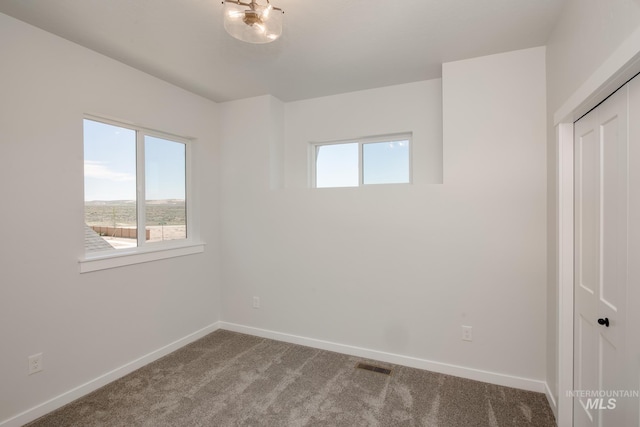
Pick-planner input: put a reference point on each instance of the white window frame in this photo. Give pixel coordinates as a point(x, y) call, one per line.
point(146, 252)
point(313, 154)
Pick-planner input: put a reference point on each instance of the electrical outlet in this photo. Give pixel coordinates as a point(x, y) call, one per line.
point(35, 363)
point(466, 333)
point(256, 302)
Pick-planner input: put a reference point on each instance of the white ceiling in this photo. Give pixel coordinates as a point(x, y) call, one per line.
point(327, 46)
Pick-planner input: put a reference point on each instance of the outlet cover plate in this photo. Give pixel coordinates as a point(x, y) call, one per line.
point(35, 363)
point(467, 333)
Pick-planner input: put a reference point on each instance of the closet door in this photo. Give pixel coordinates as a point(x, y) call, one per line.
point(601, 255)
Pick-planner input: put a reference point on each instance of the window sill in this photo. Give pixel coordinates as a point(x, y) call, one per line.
point(106, 260)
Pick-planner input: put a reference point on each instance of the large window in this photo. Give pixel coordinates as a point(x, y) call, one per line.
point(135, 188)
point(374, 160)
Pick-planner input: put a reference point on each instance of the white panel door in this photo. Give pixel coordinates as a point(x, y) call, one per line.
point(601, 255)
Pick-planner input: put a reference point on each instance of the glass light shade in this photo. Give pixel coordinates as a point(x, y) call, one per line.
point(262, 24)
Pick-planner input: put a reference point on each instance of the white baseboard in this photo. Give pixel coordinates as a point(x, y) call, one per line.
point(86, 388)
point(413, 362)
point(551, 400)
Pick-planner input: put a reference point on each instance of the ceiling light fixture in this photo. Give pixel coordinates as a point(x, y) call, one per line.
point(253, 22)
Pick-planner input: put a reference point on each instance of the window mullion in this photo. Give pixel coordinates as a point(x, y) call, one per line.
point(140, 189)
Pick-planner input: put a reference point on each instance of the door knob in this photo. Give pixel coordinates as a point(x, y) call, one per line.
point(604, 321)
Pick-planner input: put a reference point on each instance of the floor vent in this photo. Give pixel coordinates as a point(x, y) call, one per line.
point(373, 368)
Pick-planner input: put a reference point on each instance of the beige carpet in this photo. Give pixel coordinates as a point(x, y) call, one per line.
point(231, 379)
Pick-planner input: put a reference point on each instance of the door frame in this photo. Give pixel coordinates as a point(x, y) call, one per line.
point(620, 67)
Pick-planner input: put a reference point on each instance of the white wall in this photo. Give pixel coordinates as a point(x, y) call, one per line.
point(399, 269)
point(86, 325)
point(586, 36)
point(494, 161)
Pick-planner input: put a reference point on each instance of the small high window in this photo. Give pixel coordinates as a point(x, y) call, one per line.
point(373, 160)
